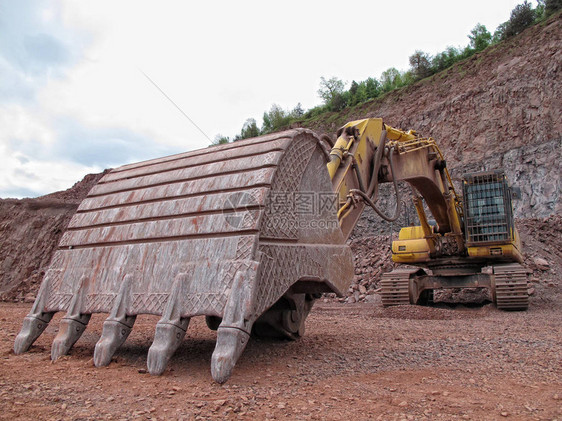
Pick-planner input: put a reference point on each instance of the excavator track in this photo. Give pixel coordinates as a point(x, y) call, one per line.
point(395, 287)
point(509, 287)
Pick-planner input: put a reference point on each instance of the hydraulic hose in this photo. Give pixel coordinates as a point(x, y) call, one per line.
point(326, 145)
point(371, 203)
point(327, 139)
point(372, 191)
point(355, 166)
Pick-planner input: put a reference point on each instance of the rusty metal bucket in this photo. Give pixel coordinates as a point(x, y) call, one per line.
point(245, 234)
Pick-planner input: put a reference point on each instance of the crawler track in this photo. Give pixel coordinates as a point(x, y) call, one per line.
point(395, 287)
point(510, 287)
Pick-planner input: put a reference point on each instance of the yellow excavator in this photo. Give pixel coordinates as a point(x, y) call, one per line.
point(472, 231)
point(250, 233)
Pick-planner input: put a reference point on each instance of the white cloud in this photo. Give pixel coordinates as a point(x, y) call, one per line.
point(29, 167)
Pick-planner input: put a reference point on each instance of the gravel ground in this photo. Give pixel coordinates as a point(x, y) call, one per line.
point(356, 361)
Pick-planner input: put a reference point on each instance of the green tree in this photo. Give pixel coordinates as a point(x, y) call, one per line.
point(445, 59)
point(340, 101)
point(372, 88)
point(277, 118)
point(297, 111)
point(220, 140)
point(540, 10)
point(361, 95)
point(499, 33)
point(551, 7)
point(480, 37)
point(406, 78)
point(466, 52)
point(420, 65)
point(249, 129)
point(521, 17)
point(391, 79)
point(353, 90)
point(359, 92)
point(331, 91)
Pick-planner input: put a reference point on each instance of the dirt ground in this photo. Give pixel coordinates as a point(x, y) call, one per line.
point(356, 361)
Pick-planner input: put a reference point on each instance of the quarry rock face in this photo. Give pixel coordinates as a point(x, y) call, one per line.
point(30, 230)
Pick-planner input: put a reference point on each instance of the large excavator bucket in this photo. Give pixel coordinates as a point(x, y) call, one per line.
point(245, 234)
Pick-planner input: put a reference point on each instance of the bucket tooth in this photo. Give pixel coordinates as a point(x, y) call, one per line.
point(167, 338)
point(31, 329)
point(170, 329)
point(35, 322)
point(113, 335)
point(230, 345)
point(72, 325)
point(70, 331)
point(116, 327)
point(234, 331)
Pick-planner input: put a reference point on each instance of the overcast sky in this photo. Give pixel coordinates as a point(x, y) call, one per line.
point(74, 99)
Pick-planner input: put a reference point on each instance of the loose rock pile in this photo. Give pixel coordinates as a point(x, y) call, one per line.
point(372, 258)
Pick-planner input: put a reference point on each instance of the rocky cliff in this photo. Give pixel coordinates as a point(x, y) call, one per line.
point(30, 230)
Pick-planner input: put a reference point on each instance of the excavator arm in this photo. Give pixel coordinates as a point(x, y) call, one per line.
point(369, 152)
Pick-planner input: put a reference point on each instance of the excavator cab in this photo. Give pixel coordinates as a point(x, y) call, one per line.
point(488, 217)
